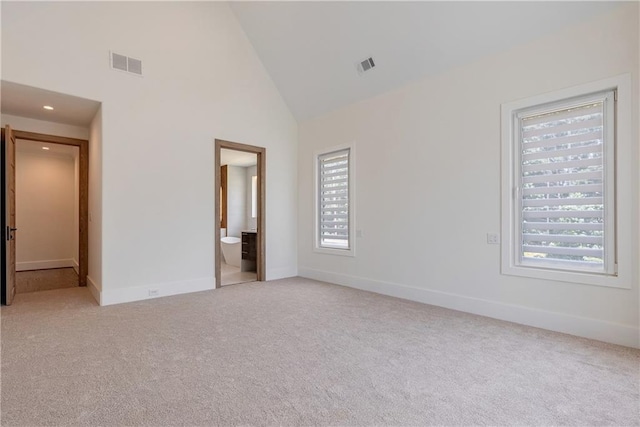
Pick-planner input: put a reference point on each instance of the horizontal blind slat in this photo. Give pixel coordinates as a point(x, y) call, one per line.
point(334, 170)
point(562, 128)
point(334, 163)
point(562, 177)
point(330, 237)
point(563, 189)
point(555, 250)
point(331, 183)
point(562, 238)
point(562, 202)
point(554, 226)
point(562, 214)
point(554, 154)
point(558, 141)
point(340, 173)
point(567, 164)
point(562, 115)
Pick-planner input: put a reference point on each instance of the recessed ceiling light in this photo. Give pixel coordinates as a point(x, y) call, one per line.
point(45, 148)
point(48, 107)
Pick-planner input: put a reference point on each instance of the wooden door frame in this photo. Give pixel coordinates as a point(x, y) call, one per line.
point(83, 226)
point(261, 220)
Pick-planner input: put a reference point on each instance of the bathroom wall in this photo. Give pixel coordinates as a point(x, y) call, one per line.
point(236, 200)
point(251, 171)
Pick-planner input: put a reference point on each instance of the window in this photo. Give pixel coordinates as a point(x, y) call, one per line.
point(559, 186)
point(334, 201)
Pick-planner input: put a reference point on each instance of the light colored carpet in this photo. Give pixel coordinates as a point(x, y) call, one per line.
point(298, 352)
point(45, 280)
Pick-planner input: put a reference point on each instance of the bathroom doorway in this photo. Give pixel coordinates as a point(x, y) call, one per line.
point(239, 206)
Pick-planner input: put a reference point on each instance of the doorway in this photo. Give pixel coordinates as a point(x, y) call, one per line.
point(44, 273)
point(239, 205)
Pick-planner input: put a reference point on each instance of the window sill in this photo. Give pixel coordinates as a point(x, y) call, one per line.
point(609, 281)
point(331, 251)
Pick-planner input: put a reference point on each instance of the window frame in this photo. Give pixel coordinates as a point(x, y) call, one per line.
point(511, 199)
point(317, 247)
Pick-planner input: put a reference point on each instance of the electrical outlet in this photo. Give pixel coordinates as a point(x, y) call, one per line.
point(493, 238)
point(154, 292)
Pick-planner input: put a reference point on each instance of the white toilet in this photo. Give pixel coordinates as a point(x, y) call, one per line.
point(231, 250)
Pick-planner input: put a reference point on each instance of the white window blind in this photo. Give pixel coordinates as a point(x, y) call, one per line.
point(566, 188)
point(333, 199)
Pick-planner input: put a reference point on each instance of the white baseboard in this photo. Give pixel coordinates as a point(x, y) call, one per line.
point(281, 273)
point(95, 289)
point(138, 293)
point(44, 265)
point(600, 330)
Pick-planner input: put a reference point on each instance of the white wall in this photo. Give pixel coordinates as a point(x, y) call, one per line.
point(236, 200)
point(94, 274)
point(428, 185)
point(251, 223)
point(40, 126)
point(44, 210)
point(202, 81)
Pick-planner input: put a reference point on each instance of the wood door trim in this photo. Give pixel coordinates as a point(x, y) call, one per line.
point(261, 233)
point(41, 137)
point(83, 232)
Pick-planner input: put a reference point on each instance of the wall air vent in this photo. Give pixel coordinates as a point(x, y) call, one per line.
point(124, 63)
point(365, 65)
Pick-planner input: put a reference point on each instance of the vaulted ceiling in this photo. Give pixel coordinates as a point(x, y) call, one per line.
point(311, 49)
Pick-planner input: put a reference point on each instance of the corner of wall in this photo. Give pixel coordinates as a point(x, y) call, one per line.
point(95, 203)
point(95, 289)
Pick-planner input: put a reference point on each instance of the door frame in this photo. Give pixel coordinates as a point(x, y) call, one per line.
point(261, 220)
point(83, 223)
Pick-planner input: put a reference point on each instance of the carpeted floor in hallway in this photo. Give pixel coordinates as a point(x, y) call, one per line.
point(298, 352)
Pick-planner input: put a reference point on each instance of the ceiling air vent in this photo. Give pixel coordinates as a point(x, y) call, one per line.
point(365, 65)
point(124, 63)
